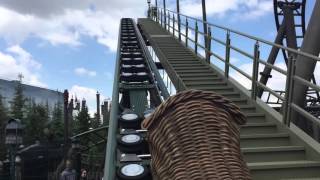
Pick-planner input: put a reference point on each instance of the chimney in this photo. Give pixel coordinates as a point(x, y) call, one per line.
point(105, 112)
point(71, 107)
point(66, 119)
point(70, 114)
point(98, 106)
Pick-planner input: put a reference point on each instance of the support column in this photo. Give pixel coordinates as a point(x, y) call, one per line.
point(306, 66)
point(179, 25)
point(164, 14)
point(291, 36)
point(265, 75)
point(287, 29)
point(205, 27)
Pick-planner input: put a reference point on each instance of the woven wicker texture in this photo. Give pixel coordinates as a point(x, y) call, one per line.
point(195, 135)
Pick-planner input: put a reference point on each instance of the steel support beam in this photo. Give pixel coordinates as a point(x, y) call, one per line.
point(265, 75)
point(287, 30)
point(291, 37)
point(110, 160)
point(305, 66)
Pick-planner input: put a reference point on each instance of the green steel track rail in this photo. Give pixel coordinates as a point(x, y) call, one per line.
point(273, 147)
point(133, 94)
point(109, 167)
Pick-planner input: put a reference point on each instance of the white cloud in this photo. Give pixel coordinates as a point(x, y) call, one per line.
point(66, 22)
point(84, 72)
point(259, 9)
point(62, 22)
point(277, 82)
point(24, 57)
point(15, 61)
point(89, 94)
point(213, 7)
point(245, 8)
point(45, 8)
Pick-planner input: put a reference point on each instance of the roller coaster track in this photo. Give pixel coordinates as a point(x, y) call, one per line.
point(296, 37)
point(271, 149)
point(91, 138)
point(141, 89)
point(299, 14)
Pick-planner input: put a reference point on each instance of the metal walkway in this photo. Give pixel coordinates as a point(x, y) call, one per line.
point(272, 150)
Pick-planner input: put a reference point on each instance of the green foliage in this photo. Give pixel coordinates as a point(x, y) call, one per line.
point(56, 126)
point(18, 102)
point(95, 122)
point(83, 120)
point(35, 122)
point(3, 120)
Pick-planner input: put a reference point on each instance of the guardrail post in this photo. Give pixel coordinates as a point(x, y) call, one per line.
point(289, 91)
point(174, 24)
point(226, 67)
point(157, 18)
point(205, 24)
point(164, 13)
point(187, 32)
point(161, 18)
point(255, 71)
point(179, 21)
point(168, 22)
point(208, 50)
point(196, 38)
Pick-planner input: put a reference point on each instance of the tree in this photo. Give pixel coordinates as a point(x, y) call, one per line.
point(56, 125)
point(18, 102)
point(3, 120)
point(95, 122)
point(35, 122)
point(83, 120)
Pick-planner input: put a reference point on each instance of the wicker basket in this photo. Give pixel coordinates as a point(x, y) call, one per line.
point(195, 135)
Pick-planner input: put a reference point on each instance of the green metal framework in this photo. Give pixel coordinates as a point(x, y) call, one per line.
point(167, 19)
point(272, 150)
point(135, 96)
point(94, 137)
point(268, 138)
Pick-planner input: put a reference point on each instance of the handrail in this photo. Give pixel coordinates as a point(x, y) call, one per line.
point(248, 36)
point(163, 90)
point(111, 161)
point(90, 131)
point(109, 168)
point(291, 78)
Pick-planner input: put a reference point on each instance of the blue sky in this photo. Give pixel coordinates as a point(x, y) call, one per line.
point(72, 44)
